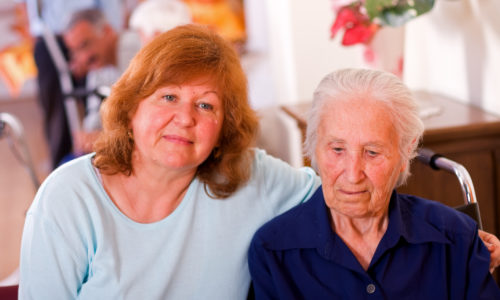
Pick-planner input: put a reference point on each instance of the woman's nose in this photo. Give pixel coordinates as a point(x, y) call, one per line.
point(185, 114)
point(355, 168)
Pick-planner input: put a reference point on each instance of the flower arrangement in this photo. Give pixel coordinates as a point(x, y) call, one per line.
point(361, 19)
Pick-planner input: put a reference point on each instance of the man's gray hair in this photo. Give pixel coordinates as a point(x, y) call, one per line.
point(377, 85)
point(93, 16)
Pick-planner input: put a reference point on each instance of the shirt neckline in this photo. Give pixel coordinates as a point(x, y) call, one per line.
point(117, 212)
point(309, 227)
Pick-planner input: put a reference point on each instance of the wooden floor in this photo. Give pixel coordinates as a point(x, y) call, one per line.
point(16, 187)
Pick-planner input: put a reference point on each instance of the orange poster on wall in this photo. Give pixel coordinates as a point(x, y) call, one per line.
point(225, 16)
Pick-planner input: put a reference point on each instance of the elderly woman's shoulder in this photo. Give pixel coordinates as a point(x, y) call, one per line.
point(297, 227)
point(438, 215)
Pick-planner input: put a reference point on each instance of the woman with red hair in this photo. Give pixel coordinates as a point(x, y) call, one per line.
point(168, 203)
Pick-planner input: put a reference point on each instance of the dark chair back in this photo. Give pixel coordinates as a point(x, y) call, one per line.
point(8, 292)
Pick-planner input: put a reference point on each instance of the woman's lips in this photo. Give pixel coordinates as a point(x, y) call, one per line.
point(347, 192)
point(178, 139)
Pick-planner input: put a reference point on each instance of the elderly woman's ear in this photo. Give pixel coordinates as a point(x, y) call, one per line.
point(412, 147)
point(409, 154)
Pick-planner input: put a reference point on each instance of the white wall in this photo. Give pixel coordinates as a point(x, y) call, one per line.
point(455, 50)
point(314, 53)
point(294, 37)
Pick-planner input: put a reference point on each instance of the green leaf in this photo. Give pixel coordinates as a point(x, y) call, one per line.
point(422, 6)
point(395, 18)
point(397, 12)
point(375, 7)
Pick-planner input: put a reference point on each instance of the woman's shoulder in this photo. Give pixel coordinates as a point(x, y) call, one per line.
point(68, 184)
point(264, 162)
point(277, 174)
point(76, 167)
point(71, 173)
point(445, 218)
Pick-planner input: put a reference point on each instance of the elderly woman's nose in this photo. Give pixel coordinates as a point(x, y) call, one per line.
point(185, 114)
point(354, 167)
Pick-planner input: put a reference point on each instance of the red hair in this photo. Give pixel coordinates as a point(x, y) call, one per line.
point(178, 56)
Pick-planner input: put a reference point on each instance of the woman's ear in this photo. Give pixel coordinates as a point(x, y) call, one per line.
point(411, 147)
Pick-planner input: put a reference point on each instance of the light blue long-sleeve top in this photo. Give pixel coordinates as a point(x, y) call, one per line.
point(56, 13)
point(77, 244)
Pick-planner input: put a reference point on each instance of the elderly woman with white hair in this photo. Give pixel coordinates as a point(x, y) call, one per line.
point(152, 17)
point(357, 237)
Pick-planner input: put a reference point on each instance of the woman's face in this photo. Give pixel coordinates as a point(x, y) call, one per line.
point(358, 158)
point(178, 126)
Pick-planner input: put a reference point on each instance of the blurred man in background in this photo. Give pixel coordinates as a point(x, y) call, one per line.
point(49, 18)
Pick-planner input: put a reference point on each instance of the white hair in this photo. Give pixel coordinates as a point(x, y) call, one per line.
point(154, 16)
point(377, 85)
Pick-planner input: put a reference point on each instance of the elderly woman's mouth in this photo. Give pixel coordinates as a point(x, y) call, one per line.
point(353, 192)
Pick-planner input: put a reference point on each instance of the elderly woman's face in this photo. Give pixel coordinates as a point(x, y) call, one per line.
point(178, 126)
point(358, 157)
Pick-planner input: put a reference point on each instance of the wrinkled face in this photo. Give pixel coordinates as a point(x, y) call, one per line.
point(358, 157)
point(178, 126)
point(89, 47)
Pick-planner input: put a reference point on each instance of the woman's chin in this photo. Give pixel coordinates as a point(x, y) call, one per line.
point(351, 209)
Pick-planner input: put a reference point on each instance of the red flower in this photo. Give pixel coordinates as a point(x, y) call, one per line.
point(357, 26)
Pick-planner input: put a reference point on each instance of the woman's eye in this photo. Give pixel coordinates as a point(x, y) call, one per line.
point(206, 106)
point(371, 153)
point(337, 149)
point(169, 97)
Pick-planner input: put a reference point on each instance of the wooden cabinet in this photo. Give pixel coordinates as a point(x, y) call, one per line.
point(470, 137)
point(463, 133)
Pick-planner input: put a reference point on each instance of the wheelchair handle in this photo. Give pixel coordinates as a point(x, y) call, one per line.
point(7, 119)
point(14, 124)
point(439, 162)
point(101, 91)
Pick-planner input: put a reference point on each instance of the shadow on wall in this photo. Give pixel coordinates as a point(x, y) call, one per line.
point(453, 50)
point(468, 19)
point(280, 136)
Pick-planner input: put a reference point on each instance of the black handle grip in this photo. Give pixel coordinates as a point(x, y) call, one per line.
point(428, 157)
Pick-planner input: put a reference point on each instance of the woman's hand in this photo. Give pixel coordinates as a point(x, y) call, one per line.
point(493, 245)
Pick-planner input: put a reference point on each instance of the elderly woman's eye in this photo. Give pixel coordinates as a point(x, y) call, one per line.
point(169, 97)
point(371, 153)
point(337, 149)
